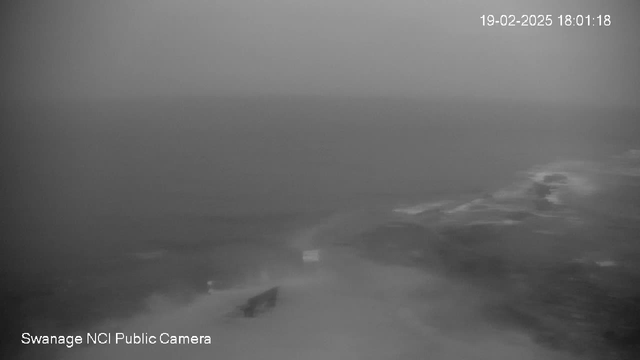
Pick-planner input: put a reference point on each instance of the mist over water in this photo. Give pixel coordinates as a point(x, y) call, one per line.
point(471, 189)
point(129, 204)
point(350, 307)
point(143, 164)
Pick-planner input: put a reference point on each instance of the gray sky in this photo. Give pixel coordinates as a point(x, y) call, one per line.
point(80, 48)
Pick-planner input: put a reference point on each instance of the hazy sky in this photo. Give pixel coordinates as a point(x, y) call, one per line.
point(94, 48)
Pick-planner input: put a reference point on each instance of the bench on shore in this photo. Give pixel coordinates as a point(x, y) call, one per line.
point(266, 299)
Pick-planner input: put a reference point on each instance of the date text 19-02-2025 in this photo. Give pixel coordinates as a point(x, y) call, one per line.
point(546, 20)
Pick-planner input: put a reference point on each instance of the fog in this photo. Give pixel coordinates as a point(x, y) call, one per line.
point(76, 49)
point(347, 308)
point(150, 146)
point(325, 317)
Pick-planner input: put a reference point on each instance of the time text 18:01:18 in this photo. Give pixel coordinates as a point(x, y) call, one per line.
point(547, 20)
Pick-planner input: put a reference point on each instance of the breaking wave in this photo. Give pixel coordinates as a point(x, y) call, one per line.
point(390, 286)
point(549, 190)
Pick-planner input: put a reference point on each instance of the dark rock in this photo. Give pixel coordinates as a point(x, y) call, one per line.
point(542, 204)
point(261, 301)
point(540, 190)
point(555, 178)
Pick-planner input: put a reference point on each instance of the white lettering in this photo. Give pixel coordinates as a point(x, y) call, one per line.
point(69, 341)
point(164, 338)
point(98, 338)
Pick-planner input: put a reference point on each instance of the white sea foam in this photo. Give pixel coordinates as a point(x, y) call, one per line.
point(554, 198)
point(468, 206)
point(516, 191)
point(424, 207)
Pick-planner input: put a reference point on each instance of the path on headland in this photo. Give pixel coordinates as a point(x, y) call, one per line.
point(348, 308)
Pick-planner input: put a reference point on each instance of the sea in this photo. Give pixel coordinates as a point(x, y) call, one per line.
point(139, 208)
